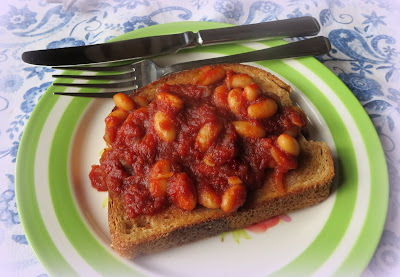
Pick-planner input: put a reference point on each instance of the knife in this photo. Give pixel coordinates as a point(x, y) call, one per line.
point(168, 44)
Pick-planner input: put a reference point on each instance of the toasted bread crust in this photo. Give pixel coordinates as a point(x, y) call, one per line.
point(307, 185)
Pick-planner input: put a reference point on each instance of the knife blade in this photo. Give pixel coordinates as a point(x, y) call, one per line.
point(168, 44)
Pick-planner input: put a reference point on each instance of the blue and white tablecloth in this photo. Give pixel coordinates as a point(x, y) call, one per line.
point(365, 56)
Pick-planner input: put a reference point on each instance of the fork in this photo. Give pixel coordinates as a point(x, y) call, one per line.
point(139, 74)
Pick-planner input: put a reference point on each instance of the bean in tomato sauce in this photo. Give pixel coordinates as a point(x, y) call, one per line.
point(206, 143)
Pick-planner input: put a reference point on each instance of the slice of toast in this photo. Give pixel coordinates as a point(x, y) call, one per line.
point(306, 185)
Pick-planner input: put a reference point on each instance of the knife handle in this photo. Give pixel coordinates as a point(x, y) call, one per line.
point(293, 27)
point(308, 47)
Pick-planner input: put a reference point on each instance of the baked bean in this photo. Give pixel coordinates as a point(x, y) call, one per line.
point(164, 126)
point(209, 198)
point(240, 80)
point(116, 117)
point(262, 109)
point(249, 129)
point(199, 77)
point(220, 97)
point(208, 160)
point(158, 179)
point(182, 192)
point(233, 198)
point(234, 180)
point(251, 92)
point(141, 101)
point(288, 144)
point(213, 76)
point(207, 91)
point(142, 110)
point(277, 155)
point(171, 100)
point(206, 68)
point(124, 102)
point(160, 168)
point(234, 100)
point(207, 134)
point(109, 135)
point(299, 120)
point(201, 74)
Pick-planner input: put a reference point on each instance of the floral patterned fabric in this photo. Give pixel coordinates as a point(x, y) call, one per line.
point(365, 56)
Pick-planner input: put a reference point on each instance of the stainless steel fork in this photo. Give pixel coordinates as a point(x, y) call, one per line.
point(144, 72)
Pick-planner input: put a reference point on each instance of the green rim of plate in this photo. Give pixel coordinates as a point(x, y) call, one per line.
point(104, 262)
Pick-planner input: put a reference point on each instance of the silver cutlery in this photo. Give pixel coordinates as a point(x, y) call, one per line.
point(139, 74)
point(167, 44)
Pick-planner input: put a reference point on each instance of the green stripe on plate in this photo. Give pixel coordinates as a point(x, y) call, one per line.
point(27, 204)
point(75, 229)
point(370, 234)
point(371, 231)
point(339, 219)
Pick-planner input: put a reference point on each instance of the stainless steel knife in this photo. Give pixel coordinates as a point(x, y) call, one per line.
point(168, 44)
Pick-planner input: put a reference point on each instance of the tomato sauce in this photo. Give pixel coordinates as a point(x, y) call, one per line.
point(193, 175)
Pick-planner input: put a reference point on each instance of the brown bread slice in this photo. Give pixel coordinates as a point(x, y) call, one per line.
point(307, 185)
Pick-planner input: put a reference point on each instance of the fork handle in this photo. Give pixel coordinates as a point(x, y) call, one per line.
point(308, 47)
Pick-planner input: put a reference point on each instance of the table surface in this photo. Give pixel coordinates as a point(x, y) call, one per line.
point(370, 69)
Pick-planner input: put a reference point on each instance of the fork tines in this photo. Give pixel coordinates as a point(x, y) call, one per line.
point(116, 85)
point(90, 94)
point(116, 77)
point(112, 68)
point(125, 79)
